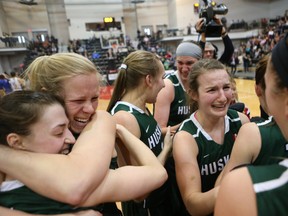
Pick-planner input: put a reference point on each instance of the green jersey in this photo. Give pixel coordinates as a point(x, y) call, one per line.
point(155, 204)
point(212, 156)
point(274, 147)
point(270, 183)
point(150, 130)
point(179, 108)
point(17, 196)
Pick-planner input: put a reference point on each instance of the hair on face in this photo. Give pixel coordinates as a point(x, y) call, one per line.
point(260, 71)
point(200, 67)
point(50, 72)
point(19, 110)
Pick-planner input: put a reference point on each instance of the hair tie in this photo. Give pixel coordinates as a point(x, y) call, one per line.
point(123, 66)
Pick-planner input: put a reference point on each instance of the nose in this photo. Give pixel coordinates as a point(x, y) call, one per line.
point(185, 67)
point(222, 96)
point(69, 138)
point(89, 108)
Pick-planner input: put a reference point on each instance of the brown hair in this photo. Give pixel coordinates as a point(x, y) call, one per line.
point(135, 66)
point(19, 110)
point(200, 67)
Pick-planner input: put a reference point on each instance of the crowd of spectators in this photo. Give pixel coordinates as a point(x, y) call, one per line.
point(245, 56)
point(251, 50)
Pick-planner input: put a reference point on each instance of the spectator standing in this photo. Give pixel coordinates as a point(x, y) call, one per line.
point(210, 50)
point(233, 63)
point(5, 86)
point(16, 83)
point(246, 62)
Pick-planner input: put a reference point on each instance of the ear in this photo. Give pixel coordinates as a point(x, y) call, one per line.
point(258, 91)
point(15, 141)
point(149, 80)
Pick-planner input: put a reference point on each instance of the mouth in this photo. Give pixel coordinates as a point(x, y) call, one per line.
point(65, 151)
point(78, 124)
point(219, 106)
point(82, 120)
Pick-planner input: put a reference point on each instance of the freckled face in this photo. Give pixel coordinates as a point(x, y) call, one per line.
point(214, 93)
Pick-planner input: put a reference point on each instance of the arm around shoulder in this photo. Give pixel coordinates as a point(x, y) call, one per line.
point(82, 170)
point(130, 182)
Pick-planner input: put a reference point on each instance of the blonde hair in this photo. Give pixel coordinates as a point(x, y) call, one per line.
point(49, 72)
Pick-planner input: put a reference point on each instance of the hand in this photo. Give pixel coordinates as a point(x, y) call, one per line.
point(217, 20)
point(199, 24)
point(168, 139)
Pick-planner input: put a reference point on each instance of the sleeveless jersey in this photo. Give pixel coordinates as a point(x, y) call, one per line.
point(155, 204)
point(274, 147)
point(17, 196)
point(212, 157)
point(270, 183)
point(150, 130)
point(179, 108)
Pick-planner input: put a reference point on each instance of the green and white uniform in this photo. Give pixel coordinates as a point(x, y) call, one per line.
point(270, 183)
point(212, 157)
point(151, 136)
point(179, 108)
point(274, 147)
point(17, 196)
point(13, 194)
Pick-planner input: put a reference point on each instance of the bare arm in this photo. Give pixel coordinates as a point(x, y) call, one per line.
point(130, 182)
point(67, 178)
point(162, 106)
point(167, 149)
point(244, 119)
point(185, 153)
point(245, 149)
point(236, 195)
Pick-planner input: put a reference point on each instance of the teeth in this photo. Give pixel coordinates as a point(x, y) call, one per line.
point(65, 151)
point(82, 120)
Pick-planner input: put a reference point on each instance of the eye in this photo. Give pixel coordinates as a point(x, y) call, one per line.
point(210, 90)
point(227, 88)
point(95, 98)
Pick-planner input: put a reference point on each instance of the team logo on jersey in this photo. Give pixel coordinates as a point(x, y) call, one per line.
point(147, 129)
